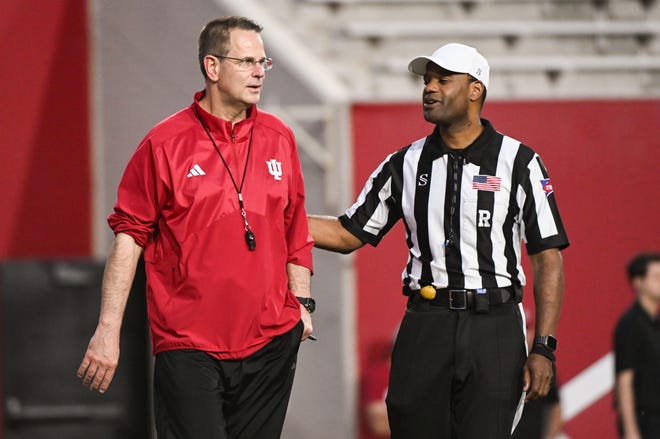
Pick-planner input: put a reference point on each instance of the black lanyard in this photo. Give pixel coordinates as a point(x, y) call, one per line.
point(249, 235)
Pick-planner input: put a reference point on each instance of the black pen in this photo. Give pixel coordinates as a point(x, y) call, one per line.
point(311, 337)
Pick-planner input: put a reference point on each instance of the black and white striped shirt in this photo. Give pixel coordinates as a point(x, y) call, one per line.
point(465, 211)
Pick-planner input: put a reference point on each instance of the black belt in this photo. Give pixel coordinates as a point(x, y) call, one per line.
point(463, 299)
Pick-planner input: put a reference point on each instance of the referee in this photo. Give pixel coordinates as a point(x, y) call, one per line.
point(468, 195)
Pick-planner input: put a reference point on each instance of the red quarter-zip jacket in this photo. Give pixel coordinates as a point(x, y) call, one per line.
point(205, 289)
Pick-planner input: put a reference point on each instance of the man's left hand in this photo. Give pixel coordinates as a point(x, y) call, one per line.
point(537, 376)
point(307, 321)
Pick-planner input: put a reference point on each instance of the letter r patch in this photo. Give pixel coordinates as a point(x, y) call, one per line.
point(484, 218)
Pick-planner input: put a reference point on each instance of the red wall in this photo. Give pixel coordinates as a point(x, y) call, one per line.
point(603, 159)
point(44, 130)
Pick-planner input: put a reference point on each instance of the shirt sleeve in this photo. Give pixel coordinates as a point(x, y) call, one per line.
point(625, 345)
point(299, 240)
point(140, 196)
point(543, 227)
point(375, 211)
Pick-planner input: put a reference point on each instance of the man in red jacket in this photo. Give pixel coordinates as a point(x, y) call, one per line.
point(214, 199)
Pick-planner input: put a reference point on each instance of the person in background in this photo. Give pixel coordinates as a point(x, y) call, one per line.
point(373, 391)
point(214, 198)
point(637, 353)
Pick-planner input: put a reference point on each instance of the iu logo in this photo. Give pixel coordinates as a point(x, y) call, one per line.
point(275, 168)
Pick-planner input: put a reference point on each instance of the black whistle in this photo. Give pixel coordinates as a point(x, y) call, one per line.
point(250, 239)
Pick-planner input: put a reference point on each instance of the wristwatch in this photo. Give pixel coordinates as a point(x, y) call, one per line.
point(547, 341)
point(308, 303)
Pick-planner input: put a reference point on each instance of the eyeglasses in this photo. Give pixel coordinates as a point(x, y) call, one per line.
point(248, 63)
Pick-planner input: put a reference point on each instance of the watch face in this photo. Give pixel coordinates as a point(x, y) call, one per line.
point(546, 340)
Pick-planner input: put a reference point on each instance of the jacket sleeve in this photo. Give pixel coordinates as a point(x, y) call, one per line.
point(299, 240)
point(140, 196)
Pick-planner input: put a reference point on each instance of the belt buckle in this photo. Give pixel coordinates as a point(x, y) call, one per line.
point(458, 299)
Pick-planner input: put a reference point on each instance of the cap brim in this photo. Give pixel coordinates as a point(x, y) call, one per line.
point(418, 65)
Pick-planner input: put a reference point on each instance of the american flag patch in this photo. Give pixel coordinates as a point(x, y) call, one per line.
point(547, 187)
point(486, 183)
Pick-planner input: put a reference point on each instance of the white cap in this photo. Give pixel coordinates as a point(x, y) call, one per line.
point(457, 58)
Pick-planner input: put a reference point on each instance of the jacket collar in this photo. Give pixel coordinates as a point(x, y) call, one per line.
point(221, 129)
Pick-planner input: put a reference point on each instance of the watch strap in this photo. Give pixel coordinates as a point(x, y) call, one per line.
point(308, 303)
point(543, 350)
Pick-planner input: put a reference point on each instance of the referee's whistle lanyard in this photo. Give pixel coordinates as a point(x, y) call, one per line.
point(456, 160)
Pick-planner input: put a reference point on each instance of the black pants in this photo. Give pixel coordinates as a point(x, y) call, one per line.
point(456, 374)
point(648, 424)
point(199, 397)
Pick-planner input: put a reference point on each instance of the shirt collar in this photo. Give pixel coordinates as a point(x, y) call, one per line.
point(474, 152)
point(655, 319)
